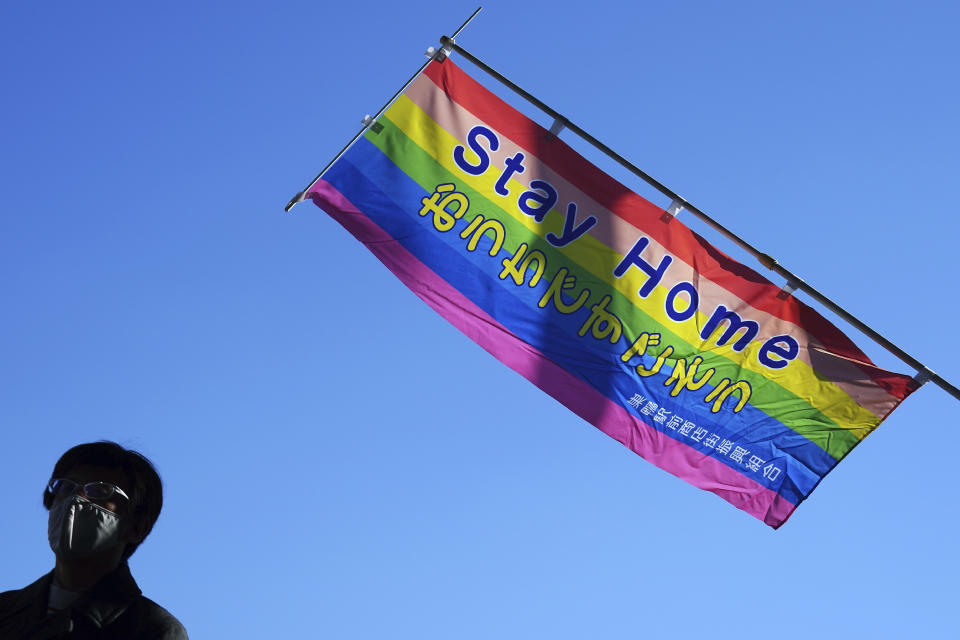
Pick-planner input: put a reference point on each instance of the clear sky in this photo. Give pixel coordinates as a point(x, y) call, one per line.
point(330, 469)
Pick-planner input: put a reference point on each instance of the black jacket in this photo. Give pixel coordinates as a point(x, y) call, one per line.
point(114, 608)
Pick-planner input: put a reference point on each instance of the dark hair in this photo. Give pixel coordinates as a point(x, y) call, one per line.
point(145, 490)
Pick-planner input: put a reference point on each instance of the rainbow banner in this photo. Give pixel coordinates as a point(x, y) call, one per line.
point(632, 321)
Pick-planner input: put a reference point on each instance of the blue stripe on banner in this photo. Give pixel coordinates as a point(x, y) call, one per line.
point(556, 335)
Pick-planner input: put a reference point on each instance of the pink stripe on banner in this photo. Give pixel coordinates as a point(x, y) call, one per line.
point(670, 455)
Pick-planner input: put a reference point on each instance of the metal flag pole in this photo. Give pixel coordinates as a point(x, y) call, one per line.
point(369, 121)
point(924, 374)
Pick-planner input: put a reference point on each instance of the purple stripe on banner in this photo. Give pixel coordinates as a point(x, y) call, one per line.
point(675, 457)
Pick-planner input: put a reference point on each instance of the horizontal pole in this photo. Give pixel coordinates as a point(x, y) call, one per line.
point(763, 258)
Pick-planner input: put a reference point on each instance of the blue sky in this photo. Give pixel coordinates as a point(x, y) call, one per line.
point(330, 469)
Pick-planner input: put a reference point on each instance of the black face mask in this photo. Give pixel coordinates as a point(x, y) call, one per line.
point(78, 528)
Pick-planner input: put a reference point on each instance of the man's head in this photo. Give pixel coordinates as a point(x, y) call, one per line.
point(140, 496)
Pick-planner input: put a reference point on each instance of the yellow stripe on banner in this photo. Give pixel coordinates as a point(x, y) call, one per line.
point(597, 258)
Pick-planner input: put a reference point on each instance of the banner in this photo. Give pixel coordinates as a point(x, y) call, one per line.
point(623, 314)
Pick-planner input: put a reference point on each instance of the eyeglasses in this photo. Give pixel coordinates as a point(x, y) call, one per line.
point(89, 490)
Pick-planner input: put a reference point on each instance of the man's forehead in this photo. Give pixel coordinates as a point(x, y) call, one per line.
point(95, 473)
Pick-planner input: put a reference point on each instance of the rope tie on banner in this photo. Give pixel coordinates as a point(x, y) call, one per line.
point(558, 125)
point(788, 289)
point(673, 210)
point(923, 377)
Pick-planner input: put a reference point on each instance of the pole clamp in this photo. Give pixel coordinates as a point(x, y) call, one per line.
point(370, 123)
point(441, 54)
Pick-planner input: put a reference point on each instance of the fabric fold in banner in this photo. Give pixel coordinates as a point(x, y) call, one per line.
point(625, 316)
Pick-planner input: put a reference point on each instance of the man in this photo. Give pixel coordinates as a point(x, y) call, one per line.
point(103, 501)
